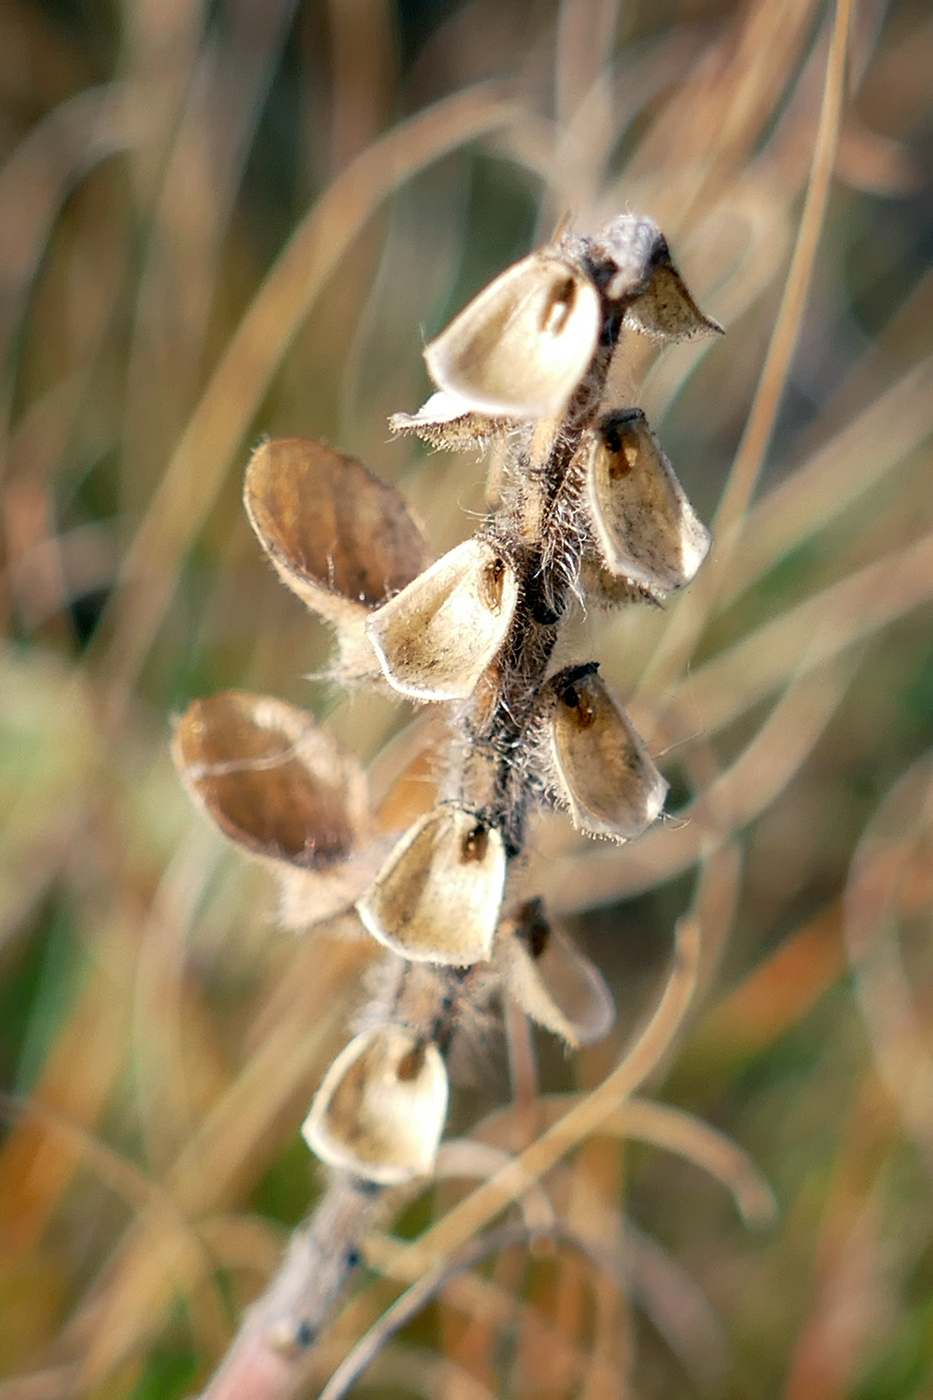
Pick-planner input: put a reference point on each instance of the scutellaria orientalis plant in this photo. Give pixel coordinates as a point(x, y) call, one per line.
point(585, 510)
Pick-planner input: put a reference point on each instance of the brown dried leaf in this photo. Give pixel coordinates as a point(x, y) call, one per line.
point(273, 782)
point(333, 530)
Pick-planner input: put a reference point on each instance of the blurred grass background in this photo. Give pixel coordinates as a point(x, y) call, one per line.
point(223, 220)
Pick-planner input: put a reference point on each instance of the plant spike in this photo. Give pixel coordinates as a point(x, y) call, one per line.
point(586, 501)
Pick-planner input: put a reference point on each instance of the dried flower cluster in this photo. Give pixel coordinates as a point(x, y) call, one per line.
point(584, 507)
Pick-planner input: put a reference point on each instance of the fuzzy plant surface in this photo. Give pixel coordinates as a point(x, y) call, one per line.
point(584, 511)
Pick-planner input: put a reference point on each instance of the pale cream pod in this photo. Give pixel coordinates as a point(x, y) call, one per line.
point(437, 898)
point(645, 526)
point(600, 766)
point(381, 1108)
point(551, 980)
point(522, 346)
point(435, 639)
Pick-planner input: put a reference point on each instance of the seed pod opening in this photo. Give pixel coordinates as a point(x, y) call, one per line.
point(645, 527)
point(608, 590)
point(522, 346)
point(381, 1108)
point(437, 898)
point(551, 980)
point(272, 780)
point(449, 422)
point(599, 766)
point(435, 639)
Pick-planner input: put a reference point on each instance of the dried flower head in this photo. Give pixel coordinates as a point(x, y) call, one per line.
point(587, 505)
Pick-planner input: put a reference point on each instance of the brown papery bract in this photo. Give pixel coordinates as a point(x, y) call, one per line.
point(437, 897)
point(599, 767)
point(273, 781)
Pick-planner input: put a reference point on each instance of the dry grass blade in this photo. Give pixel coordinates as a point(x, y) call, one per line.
point(673, 1130)
point(57, 154)
point(894, 844)
point(242, 378)
point(760, 425)
point(413, 1300)
point(679, 641)
point(680, 1311)
point(836, 475)
point(815, 631)
point(680, 1132)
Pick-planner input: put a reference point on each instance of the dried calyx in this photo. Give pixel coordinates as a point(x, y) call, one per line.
point(588, 505)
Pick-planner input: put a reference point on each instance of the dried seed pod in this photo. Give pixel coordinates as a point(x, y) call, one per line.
point(599, 766)
point(338, 536)
point(609, 590)
point(644, 276)
point(381, 1108)
point(551, 980)
point(435, 639)
point(437, 897)
point(645, 526)
point(274, 782)
point(446, 421)
point(286, 793)
point(522, 346)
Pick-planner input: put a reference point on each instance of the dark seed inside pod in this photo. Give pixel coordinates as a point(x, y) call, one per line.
point(410, 1065)
point(531, 924)
point(569, 694)
point(542, 607)
point(615, 433)
point(624, 449)
point(474, 844)
point(493, 576)
point(556, 311)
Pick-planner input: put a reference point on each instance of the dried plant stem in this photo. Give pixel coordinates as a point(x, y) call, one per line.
point(269, 1357)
